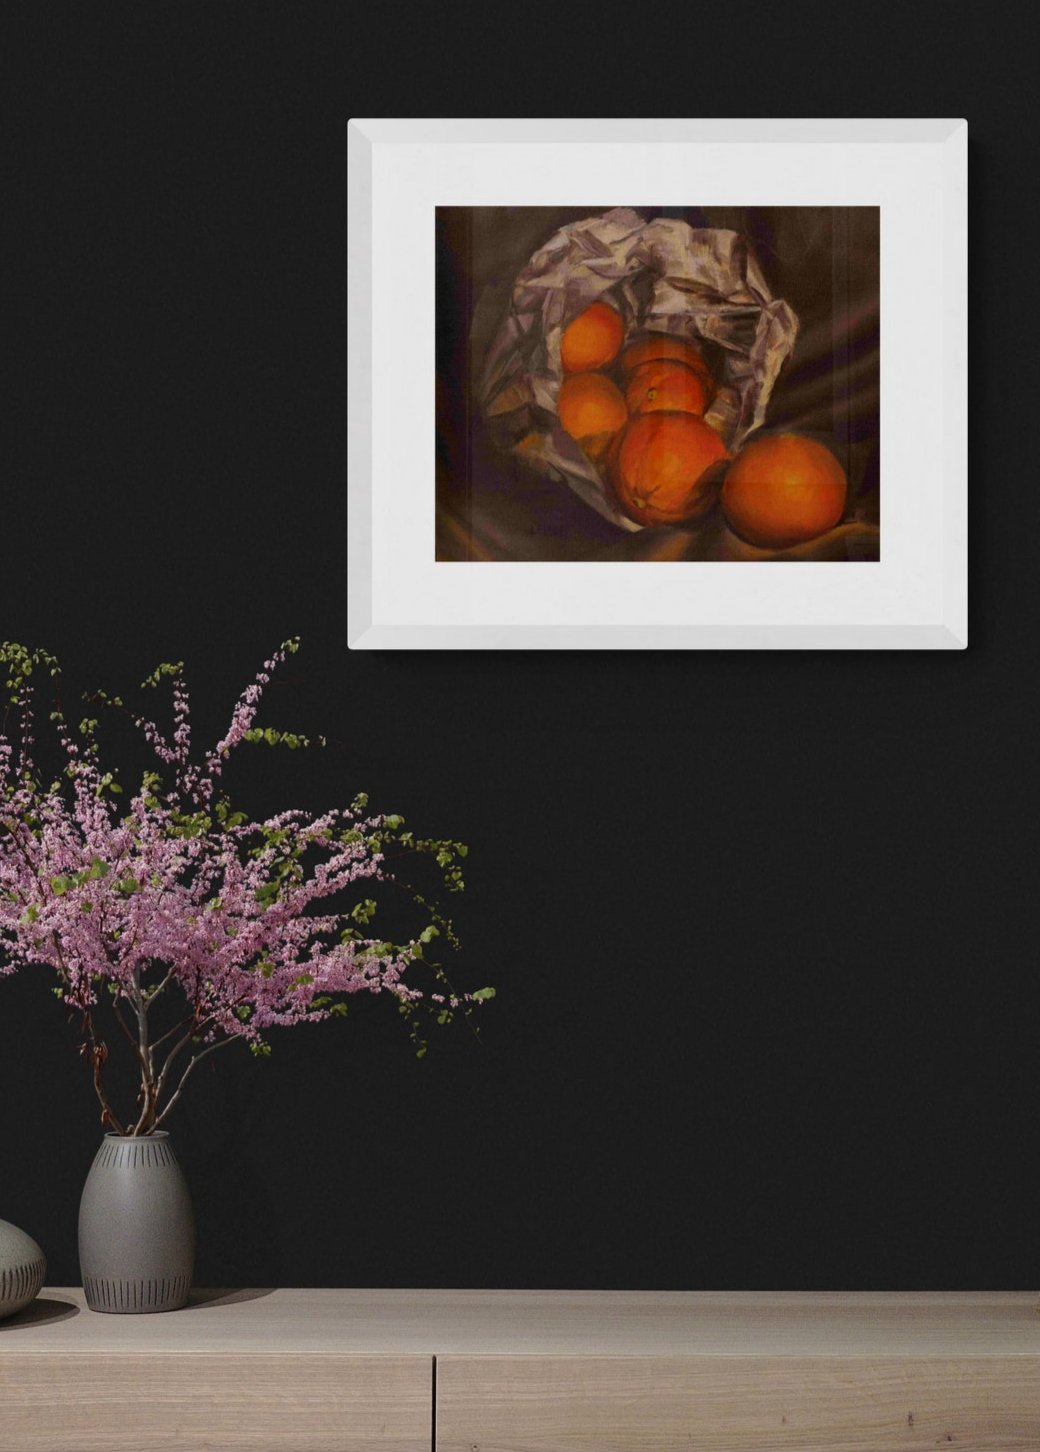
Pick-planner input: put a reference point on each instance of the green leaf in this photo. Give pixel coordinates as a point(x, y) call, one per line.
point(267, 894)
point(166, 669)
point(482, 995)
point(60, 885)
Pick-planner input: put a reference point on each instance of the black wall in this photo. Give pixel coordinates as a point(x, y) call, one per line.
point(762, 925)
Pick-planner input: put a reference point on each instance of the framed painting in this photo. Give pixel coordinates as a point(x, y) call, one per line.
point(602, 373)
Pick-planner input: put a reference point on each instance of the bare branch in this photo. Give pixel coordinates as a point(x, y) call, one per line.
point(172, 1032)
point(121, 1021)
point(196, 1059)
point(196, 1027)
point(97, 1052)
point(152, 994)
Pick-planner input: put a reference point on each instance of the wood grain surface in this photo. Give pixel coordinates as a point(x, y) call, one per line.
point(526, 1371)
point(737, 1404)
point(580, 1323)
point(180, 1402)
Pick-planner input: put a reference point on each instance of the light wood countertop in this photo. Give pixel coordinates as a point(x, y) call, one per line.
point(547, 1323)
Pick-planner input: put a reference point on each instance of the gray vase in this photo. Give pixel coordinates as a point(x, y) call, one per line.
point(22, 1269)
point(136, 1227)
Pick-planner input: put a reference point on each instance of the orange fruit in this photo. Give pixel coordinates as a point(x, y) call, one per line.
point(591, 409)
point(592, 340)
point(666, 387)
point(658, 467)
point(655, 347)
point(783, 490)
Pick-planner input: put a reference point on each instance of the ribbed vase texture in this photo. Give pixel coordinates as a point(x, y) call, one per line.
point(22, 1269)
point(136, 1227)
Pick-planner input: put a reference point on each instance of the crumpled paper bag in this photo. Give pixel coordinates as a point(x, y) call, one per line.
point(662, 276)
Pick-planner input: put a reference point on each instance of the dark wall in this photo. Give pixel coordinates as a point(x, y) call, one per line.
point(762, 925)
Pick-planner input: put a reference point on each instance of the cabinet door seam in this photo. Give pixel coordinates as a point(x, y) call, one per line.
point(433, 1409)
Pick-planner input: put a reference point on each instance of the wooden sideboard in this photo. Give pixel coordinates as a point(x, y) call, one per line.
point(526, 1371)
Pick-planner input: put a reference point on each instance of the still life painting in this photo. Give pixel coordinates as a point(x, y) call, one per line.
point(658, 384)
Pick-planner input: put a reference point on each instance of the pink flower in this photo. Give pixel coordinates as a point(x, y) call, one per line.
point(172, 896)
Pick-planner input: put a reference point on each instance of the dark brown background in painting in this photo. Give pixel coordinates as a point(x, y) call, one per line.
point(763, 924)
point(823, 261)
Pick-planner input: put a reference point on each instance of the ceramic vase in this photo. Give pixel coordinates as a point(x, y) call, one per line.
point(136, 1227)
point(22, 1269)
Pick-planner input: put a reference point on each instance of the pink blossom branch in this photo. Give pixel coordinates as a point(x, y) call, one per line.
point(244, 919)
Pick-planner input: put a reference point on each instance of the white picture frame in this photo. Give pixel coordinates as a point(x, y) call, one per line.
point(400, 597)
